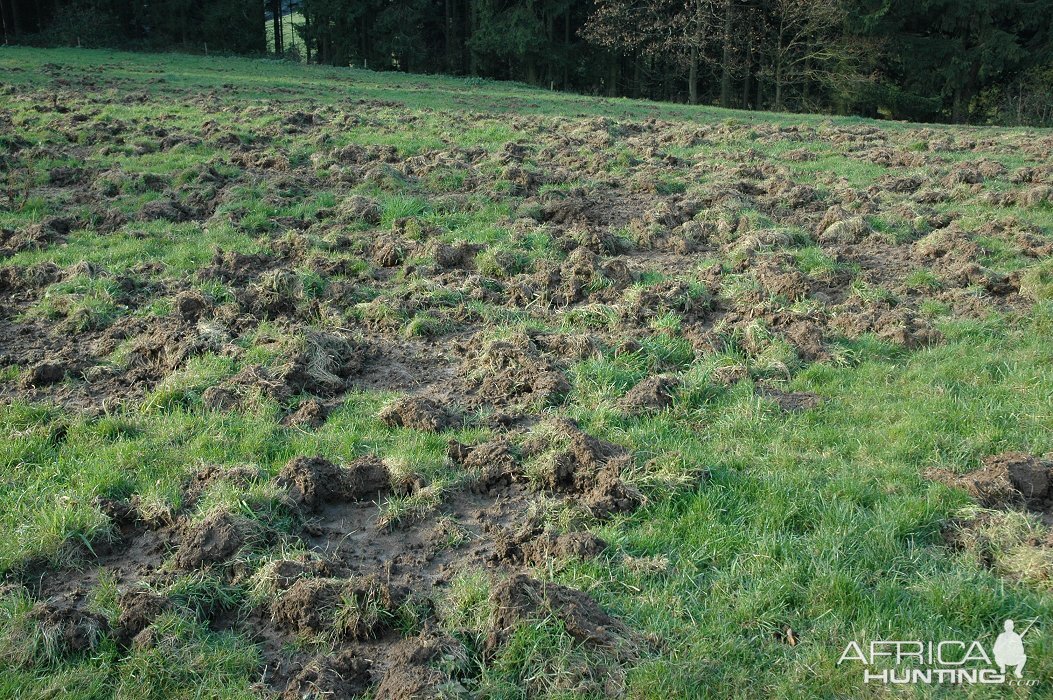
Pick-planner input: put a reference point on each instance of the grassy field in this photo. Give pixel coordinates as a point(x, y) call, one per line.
point(609, 398)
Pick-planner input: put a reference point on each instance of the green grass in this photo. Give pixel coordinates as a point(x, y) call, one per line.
point(755, 520)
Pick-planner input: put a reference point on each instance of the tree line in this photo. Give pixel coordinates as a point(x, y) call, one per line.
point(978, 61)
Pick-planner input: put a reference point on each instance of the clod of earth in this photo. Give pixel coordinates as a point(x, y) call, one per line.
point(651, 394)
point(68, 623)
point(592, 469)
point(139, 608)
point(342, 675)
point(312, 482)
point(522, 599)
point(418, 413)
point(212, 541)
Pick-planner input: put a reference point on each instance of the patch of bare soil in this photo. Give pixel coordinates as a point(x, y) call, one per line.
point(1013, 488)
point(792, 401)
point(1008, 480)
point(359, 567)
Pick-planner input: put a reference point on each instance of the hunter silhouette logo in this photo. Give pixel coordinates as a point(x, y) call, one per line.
point(1009, 650)
point(948, 661)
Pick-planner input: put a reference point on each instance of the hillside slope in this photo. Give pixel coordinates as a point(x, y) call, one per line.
point(325, 380)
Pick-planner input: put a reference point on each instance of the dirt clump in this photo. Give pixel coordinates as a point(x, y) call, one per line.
point(162, 349)
point(312, 482)
point(44, 374)
point(359, 208)
point(418, 413)
point(139, 608)
point(791, 284)
point(249, 381)
point(389, 253)
point(493, 463)
point(212, 541)
point(897, 325)
point(1007, 481)
point(520, 599)
point(502, 371)
point(412, 671)
point(322, 363)
point(190, 305)
point(590, 469)
point(342, 675)
point(651, 394)
point(844, 231)
point(342, 608)
point(68, 623)
point(1019, 475)
point(308, 605)
point(452, 256)
point(533, 545)
point(166, 209)
point(309, 415)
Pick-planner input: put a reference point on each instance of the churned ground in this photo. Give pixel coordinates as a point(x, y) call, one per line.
point(323, 382)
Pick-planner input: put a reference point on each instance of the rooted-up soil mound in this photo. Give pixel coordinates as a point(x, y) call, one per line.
point(591, 468)
point(522, 599)
point(211, 541)
point(343, 675)
point(139, 608)
point(352, 608)
point(651, 394)
point(311, 482)
point(418, 413)
point(68, 623)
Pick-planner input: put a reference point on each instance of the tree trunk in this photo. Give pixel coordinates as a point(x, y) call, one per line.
point(473, 62)
point(692, 77)
point(637, 75)
point(778, 71)
point(566, 47)
point(16, 23)
point(778, 90)
point(276, 15)
point(746, 77)
point(959, 106)
point(725, 64)
point(447, 33)
point(3, 19)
